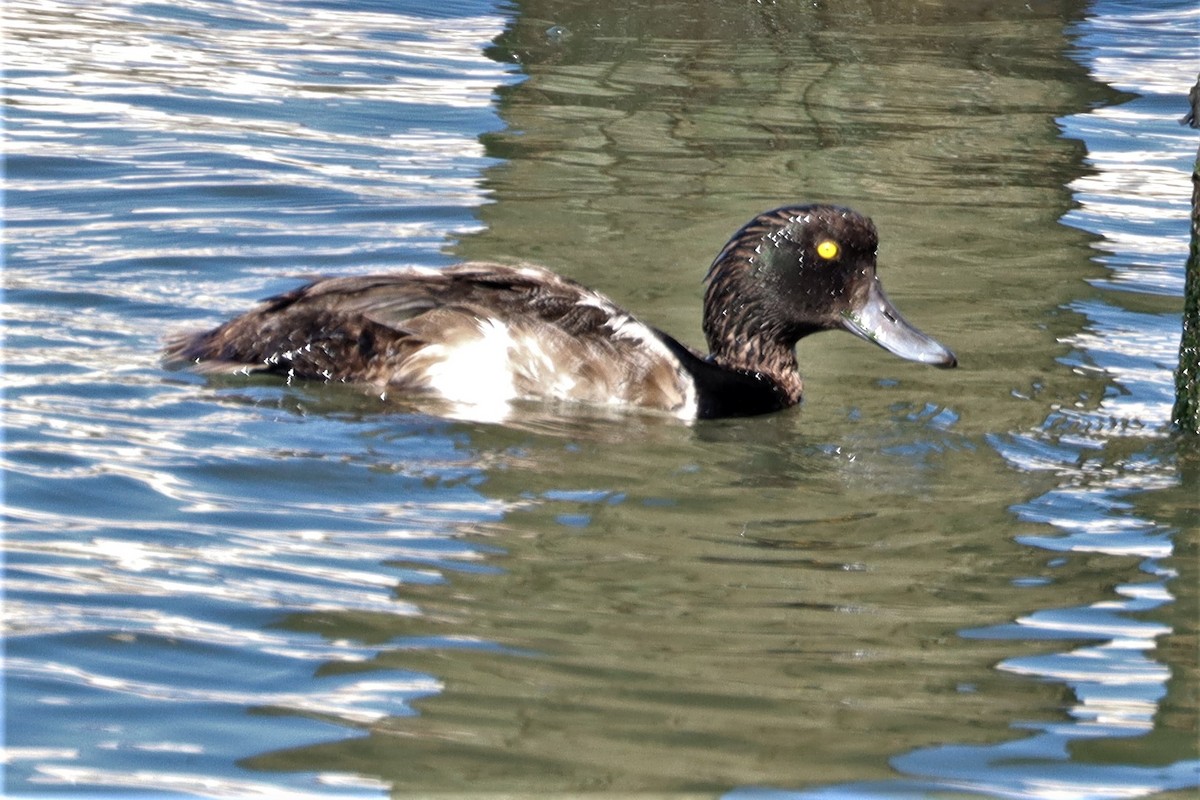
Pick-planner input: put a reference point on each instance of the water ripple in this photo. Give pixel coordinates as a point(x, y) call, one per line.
point(165, 163)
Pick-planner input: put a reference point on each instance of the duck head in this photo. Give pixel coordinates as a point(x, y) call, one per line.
point(797, 270)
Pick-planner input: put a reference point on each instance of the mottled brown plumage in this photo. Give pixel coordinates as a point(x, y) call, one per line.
point(389, 330)
point(480, 331)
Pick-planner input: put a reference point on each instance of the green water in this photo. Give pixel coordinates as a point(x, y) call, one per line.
point(771, 601)
point(922, 582)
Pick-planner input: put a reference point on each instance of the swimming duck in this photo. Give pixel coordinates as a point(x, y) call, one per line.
point(488, 333)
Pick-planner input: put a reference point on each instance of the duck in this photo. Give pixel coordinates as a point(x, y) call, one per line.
point(489, 333)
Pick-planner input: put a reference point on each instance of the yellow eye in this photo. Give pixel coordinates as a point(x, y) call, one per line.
point(828, 249)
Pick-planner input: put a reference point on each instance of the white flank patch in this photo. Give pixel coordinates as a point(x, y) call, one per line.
point(627, 327)
point(533, 361)
point(476, 372)
point(691, 404)
point(479, 373)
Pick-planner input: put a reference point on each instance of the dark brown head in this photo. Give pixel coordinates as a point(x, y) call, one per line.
point(798, 270)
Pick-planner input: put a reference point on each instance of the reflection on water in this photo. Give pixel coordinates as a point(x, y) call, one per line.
point(152, 142)
point(1136, 203)
point(919, 584)
point(160, 162)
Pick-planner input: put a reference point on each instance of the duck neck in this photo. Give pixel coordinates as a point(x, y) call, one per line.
point(745, 336)
point(760, 356)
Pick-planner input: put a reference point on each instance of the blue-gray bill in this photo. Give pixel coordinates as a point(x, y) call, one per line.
point(878, 321)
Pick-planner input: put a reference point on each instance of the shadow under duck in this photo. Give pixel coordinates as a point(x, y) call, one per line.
point(480, 333)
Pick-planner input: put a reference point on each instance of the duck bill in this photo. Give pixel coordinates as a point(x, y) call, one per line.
point(878, 321)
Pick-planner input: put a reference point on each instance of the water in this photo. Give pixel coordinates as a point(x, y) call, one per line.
point(922, 583)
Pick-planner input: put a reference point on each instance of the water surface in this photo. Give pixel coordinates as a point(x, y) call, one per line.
point(921, 583)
